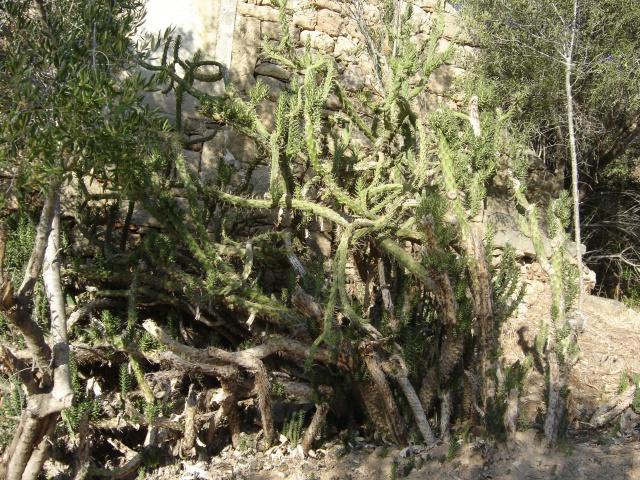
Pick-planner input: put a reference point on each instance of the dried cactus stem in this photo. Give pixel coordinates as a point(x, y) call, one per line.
point(399, 430)
point(314, 426)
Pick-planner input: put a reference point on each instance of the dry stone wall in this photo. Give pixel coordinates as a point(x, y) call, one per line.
point(232, 32)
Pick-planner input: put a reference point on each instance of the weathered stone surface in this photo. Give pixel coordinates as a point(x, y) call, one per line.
point(246, 45)
point(212, 151)
point(442, 47)
point(419, 39)
point(273, 30)
point(329, 4)
point(330, 22)
point(371, 14)
point(140, 217)
point(192, 160)
point(320, 243)
point(260, 180)
point(333, 102)
point(194, 20)
point(196, 147)
point(296, 5)
point(364, 62)
point(451, 27)
point(272, 70)
point(231, 146)
point(226, 24)
point(429, 101)
point(353, 30)
point(69, 195)
point(266, 113)
point(306, 19)
point(345, 48)
point(197, 23)
point(420, 21)
point(353, 78)
point(267, 13)
point(318, 40)
point(275, 87)
point(429, 5)
point(442, 79)
point(243, 149)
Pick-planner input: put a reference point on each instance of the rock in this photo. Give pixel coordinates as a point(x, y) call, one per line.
point(429, 101)
point(345, 48)
point(212, 151)
point(296, 5)
point(305, 19)
point(318, 40)
point(246, 47)
point(371, 14)
point(192, 160)
point(320, 243)
point(419, 39)
point(330, 22)
point(333, 102)
point(420, 20)
point(429, 5)
point(328, 4)
point(196, 147)
point(442, 79)
point(275, 87)
point(266, 13)
point(442, 47)
point(273, 30)
point(272, 70)
point(353, 78)
point(353, 30)
point(241, 147)
point(266, 113)
point(260, 180)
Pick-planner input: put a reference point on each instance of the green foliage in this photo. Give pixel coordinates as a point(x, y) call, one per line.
point(523, 57)
point(624, 382)
point(112, 323)
point(507, 291)
point(147, 342)
point(277, 389)
point(395, 465)
point(636, 400)
point(604, 65)
point(86, 402)
point(159, 247)
point(125, 380)
point(292, 428)
point(374, 177)
point(152, 410)
point(13, 403)
point(70, 109)
point(20, 235)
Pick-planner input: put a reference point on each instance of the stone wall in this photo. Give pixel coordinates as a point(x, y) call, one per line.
point(232, 32)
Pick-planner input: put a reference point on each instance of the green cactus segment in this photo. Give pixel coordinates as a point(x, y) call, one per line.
point(450, 184)
point(275, 187)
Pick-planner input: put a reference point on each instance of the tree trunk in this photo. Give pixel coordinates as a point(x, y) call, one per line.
point(574, 156)
point(50, 394)
point(62, 391)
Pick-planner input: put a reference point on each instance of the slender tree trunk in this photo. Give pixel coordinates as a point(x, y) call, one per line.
point(62, 391)
point(53, 393)
point(574, 155)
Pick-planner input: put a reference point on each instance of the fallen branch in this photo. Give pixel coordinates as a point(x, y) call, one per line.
point(613, 407)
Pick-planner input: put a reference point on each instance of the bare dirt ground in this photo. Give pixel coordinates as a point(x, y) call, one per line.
point(610, 348)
